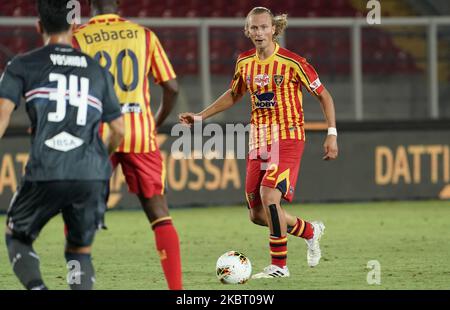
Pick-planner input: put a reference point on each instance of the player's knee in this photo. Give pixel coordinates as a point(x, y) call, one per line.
point(258, 218)
point(269, 196)
point(155, 207)
point(21, 237)
point(71, 248)
point(156, 214)
point(254, 213)
point(80, 242)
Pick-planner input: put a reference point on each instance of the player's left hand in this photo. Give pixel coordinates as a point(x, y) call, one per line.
point(330, 148)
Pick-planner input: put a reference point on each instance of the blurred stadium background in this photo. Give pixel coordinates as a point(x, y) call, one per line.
point(390, 82)
point(203, 41)
point(391, 86)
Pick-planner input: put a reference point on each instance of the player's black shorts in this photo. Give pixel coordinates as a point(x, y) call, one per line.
point(82, 204)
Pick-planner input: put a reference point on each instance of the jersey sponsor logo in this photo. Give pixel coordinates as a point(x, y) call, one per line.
point(265, 100)
point(68, 60)
point(278, 79)
point(110, 35)
point(131, 108)
point(64, 142)
point(262, 80)
point(314, 85)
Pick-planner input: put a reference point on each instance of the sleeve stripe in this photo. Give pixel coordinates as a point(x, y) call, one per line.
point(237, 85)
point(304, 72)
point(164, 60)
point(148, 42)
point(155, 65)
point(299, 66)
point(145, 147)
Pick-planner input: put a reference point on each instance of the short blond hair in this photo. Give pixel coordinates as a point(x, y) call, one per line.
point(279, 21)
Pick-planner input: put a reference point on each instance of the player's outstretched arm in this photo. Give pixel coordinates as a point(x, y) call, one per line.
point(6, 109)
point(330, 146)
point(169, 97)
point(222, 103)
point(116, 134)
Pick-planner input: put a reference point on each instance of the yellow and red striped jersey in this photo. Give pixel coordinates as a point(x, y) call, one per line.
point(130, 52)
point(275, 87)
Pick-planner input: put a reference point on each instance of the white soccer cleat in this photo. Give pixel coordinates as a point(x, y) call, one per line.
point(314, 254)
point(272, 271)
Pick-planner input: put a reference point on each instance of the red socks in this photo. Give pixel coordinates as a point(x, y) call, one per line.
point(278, 250)
point(168, 247)
point(302, 229)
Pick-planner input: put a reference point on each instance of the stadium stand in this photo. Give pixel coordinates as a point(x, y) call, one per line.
point(381, 54)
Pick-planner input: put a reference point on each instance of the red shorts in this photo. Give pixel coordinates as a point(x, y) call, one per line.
point(275, 169)
point(144, 172)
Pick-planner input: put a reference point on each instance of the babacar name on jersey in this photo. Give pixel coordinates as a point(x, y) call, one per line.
point(110, 35)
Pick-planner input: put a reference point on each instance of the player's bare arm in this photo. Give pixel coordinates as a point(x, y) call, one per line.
point(6, 109)
point(116, 134)
point(224, 102)
point(330, 146)
point(169, 97)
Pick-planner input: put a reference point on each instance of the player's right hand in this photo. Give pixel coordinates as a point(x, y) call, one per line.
point(188, 118)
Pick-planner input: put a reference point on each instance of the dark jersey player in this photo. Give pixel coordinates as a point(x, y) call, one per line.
point(67, 95)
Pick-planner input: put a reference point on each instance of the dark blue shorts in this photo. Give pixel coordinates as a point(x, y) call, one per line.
point(82, 204)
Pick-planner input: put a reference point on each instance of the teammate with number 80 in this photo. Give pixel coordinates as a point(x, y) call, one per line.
point(131, 53)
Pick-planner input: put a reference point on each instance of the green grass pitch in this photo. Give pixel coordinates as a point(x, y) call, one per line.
point(411, 241)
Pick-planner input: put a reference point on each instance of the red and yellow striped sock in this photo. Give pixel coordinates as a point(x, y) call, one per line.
point(278, 250)
point(302, 229)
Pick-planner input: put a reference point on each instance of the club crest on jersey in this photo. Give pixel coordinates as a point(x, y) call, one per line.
point(278, 79)
point(262, 80)
point(265, 100)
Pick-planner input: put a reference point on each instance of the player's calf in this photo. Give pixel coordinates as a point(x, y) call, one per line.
point(81, 271)
point(278, 239)
point(25, 263)
point(168, 247)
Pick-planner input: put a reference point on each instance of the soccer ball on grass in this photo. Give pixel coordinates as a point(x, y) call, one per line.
point(233, 268)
